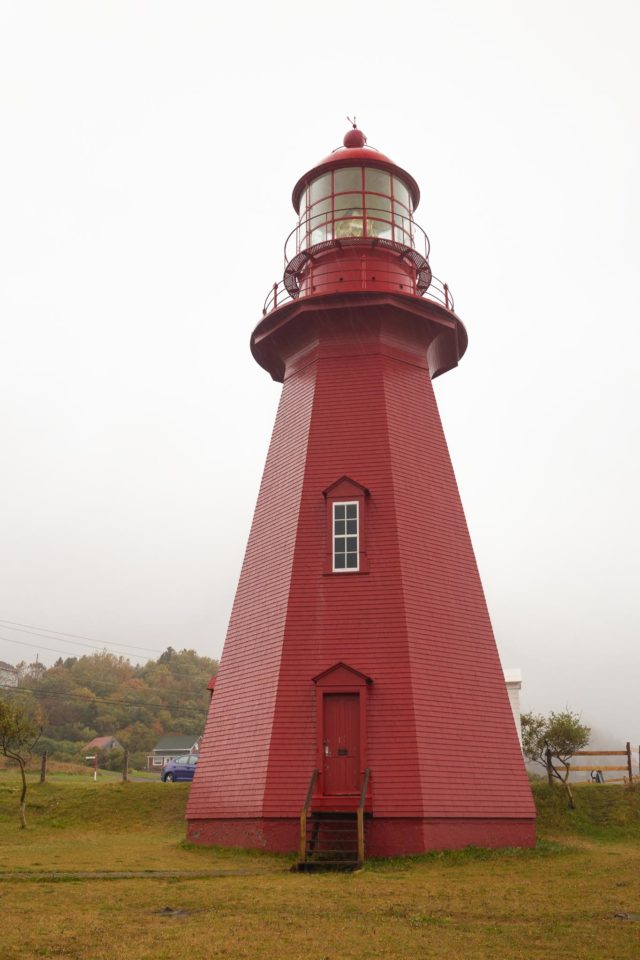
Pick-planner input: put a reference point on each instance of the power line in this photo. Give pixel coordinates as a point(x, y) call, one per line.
point(128, 653)
point(59, 634)
point(174, 669)
point(38, 646)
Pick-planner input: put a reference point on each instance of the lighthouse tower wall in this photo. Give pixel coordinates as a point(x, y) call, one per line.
point(440, 741)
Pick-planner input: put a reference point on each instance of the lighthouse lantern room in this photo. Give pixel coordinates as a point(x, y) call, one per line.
point(360, 698)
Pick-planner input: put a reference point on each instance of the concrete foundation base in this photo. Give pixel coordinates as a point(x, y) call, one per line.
point(384, 836)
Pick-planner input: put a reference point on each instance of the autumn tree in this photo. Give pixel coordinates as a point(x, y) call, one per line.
point(102, 694)
point(552, 741)
point(19, 733)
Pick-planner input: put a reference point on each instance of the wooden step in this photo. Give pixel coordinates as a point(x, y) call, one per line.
point(319, 866)
point(331, 843)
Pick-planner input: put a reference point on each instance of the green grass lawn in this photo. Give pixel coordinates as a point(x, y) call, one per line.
point(558, 900)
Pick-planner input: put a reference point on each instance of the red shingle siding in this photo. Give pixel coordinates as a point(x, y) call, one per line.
point(230, 778)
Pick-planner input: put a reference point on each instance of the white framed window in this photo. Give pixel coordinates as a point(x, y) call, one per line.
point(345, 528)
point(157, 761)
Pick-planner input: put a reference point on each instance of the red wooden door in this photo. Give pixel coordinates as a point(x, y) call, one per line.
point(341, 746)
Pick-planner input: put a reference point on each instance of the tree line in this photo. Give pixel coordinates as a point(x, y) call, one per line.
point(102, 694)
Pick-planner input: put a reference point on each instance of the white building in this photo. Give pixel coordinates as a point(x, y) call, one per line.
point(513, 680)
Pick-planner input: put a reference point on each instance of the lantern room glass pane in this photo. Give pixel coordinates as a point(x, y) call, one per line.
point(349, 179)
point(400, 236)
point(318, 225)
point(377, 181)
point(400, 192)
point(378, 206)
point(400, 212)
point(378, 216)
point(320, 234)
point(322, 206)
point(347, 216)
point(320, 188)
point(379, 229)
point(402, 226)
point(349, 201)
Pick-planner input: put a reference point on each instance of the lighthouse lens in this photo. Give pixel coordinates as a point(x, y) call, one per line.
point(348, 215)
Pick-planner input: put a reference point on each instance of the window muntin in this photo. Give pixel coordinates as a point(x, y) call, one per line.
point(355, 202)
point(345, 536)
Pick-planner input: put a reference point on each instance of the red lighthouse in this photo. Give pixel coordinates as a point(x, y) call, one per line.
point(360, 679)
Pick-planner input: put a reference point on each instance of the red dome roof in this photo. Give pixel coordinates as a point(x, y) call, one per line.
point(354, 153)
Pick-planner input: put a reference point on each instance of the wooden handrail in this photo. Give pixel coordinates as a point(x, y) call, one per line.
point(304, 812)
point(363, 797)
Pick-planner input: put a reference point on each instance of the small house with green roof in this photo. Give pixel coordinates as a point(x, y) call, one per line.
point(172, 746)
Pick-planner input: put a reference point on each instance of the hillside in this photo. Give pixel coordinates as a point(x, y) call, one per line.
point(102, 695)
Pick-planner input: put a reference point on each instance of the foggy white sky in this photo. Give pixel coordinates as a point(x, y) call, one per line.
point(147, 155)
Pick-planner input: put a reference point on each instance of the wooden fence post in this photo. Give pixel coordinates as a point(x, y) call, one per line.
point(43, 767)
point(629, 764)
point(125, 765)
